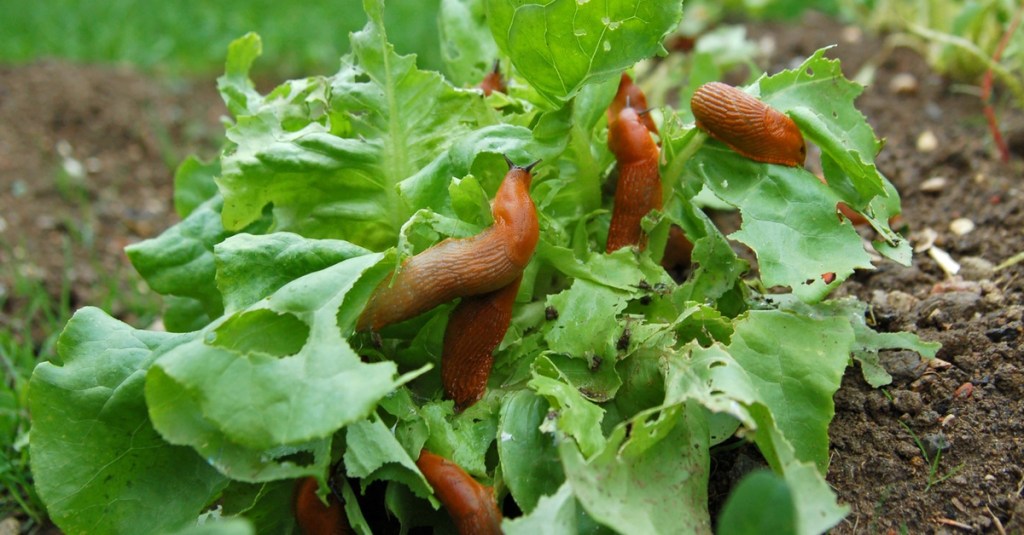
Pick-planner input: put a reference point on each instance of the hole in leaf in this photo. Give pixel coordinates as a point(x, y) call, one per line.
point(263, 331)
point(299, 458)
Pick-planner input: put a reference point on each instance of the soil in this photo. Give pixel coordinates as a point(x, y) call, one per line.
point(86, 165)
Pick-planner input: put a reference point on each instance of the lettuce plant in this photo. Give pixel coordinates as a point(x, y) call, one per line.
point(614, 381)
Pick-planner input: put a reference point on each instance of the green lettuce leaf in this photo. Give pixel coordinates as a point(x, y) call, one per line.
point(559, 46)
point(650, 476)
point(96, 459)
point(467, 48)
point(305, 379)
point(529, 456)
point(350, 139)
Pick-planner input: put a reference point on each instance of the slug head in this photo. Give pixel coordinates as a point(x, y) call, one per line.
point(630, 95)
point(789, 142)
point(629, 139)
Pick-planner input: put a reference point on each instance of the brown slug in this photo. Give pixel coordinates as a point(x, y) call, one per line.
point(747, 125)
point(313, 516)
point(493, 81)
point(475, 328)
point(470, 504)
point(630, 95)
point(454, 268)
point(639, 185)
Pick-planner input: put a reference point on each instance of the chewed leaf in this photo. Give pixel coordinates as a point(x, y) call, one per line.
point(720, 383)
point(796, 364)
point(868, 342)
point(372, 453)
point(560, 46)
point(576, 416)
point(651, 475)
point(789, 220)
point(587, 324)
point(821, 101)
point(305, 396)
point(467, 48)
point(554, 514)
point(96, 459)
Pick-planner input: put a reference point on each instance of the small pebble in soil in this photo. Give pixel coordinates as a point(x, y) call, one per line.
point(1006, 333)
point(902, 365)
point(963, 391)
point(934, 443)
point(976, 268)
point(903, 83)
point(901, 302)
point(927, 142)
point(934, 184)
point(940, 310)
point(944, 260)
point(925, 419)
point(852, 34)
point(961, 226)
point(956, 284)
point(907, 402)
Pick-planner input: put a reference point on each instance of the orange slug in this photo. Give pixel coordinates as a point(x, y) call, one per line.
point(639, 186)
point(630, 95)
point(747, 125)
point(493, 81)
point(312, 516)
point(470, 504)
point(453, 268)
point(475, 328)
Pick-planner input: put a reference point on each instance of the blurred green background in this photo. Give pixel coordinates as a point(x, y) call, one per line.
point(191, 36)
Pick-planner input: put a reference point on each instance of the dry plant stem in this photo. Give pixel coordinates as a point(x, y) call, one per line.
point(470, 504)
point(475, 329)
point(986, 88)
point(462, 267)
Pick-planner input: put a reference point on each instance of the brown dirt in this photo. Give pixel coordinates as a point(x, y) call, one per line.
point(128, 131)
point(970, 404)
point(86, 167)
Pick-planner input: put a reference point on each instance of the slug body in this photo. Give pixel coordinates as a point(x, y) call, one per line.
point(493, 81)
point(462, 267)
point(639, 186)
point(470, 504)
point(630, 95)
point(315, 518)
point(475, 328)
point(747, 125)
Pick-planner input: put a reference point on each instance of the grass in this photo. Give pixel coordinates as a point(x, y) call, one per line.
point(38, 311)
point(34, 315)
point(933, 463)
point(191, 36)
